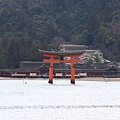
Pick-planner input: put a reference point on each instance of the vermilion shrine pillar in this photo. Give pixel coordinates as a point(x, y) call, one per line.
point(72, 71)
point(51, 70)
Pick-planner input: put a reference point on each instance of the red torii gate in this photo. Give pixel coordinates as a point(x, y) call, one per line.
point(58, 57)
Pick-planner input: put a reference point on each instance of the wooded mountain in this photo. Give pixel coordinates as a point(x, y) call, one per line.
point(26, 25)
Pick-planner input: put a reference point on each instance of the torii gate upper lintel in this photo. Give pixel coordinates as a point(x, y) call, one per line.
point(60, 55)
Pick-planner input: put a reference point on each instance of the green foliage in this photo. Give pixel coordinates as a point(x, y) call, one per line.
point(26, 25)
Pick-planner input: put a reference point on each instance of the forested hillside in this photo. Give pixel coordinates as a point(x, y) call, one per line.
point(26, 25)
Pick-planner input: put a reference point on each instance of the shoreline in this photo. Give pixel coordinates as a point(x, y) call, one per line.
point(99, 79)
point(77, 79)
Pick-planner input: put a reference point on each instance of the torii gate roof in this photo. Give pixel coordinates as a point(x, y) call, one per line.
point(59, 53)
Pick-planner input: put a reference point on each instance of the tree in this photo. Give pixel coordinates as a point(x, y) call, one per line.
point(86, 37)
point(2, 57)
point(13, 57)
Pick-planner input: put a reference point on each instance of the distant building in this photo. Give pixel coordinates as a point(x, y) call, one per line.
point(32, 69)
point(88, 55)
point(67, 47)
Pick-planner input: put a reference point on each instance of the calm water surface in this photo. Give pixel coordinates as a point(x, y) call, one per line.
point(37, 100)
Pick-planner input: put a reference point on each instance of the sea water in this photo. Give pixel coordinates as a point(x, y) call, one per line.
point(35, 99)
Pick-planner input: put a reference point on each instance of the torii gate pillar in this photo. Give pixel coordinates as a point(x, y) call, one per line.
point(51, 71)
point(72, 71)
